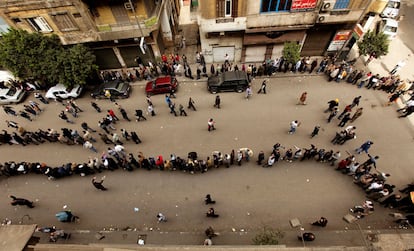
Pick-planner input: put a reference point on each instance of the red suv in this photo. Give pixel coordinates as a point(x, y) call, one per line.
point(165, 84)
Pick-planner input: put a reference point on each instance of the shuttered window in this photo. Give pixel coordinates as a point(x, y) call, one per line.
point(226, 8)
point(64, 21)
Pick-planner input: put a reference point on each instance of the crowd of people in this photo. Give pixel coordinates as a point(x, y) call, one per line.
point(364, 172)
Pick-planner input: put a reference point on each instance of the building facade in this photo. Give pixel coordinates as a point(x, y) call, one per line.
point(255, 30)
point(117, 30)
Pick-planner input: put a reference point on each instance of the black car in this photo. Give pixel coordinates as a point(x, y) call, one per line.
point(228, 81)
point(117, 88)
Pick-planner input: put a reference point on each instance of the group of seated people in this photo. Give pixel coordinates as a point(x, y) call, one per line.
point(346, 72)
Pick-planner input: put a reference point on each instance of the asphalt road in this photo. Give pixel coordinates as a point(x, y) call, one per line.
point(248, 197)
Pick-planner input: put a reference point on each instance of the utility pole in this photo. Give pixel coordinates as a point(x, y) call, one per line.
point(141, 35)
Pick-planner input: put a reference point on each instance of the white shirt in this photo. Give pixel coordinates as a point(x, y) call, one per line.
point(118, 148)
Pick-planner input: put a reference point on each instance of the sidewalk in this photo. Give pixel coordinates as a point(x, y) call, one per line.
point(325, 240)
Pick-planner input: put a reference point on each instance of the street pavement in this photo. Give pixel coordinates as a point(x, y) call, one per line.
point(248, 197)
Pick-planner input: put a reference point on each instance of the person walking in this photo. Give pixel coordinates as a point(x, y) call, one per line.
point(398, 66)
point(345, 120)
point(191, 104)
point(124, 114)
point(89, 145)
point(332, 104)
point(151, 110)
point(263, 87)
point(21, 202)
point(346, 110)
point(86, 127)
point(315, 131)
point(98, 184)
point(355, 101)
point(357, 114)
point(182, 111)
point(293, 126)
point(364, 147)
point(217, 102)
point(332, 114)
point(302, 99)
point(139, 115)
point(208, 200)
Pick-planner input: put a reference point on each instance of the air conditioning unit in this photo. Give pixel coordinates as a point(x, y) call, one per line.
point(128, 6)
point(322, 18)
point(328, 5)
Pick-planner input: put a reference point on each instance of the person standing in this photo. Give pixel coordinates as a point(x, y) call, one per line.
point(210, 124)
point(293, 126)
point(302, 99)
point(398, 66)
point(248, 92)
point(98, 184)
point(217, 102)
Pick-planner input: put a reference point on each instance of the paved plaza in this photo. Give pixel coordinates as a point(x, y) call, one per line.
point(248, 196)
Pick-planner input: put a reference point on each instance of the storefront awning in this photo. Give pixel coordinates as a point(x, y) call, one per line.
point(15, 237)
point(280, 37)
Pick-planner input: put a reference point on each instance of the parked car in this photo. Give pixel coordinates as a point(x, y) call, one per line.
point(392, 10)
point(228, 81)
point(165, 84)
point(11, 95)
point(117, 88)
point(389, 27)
point(63, 92)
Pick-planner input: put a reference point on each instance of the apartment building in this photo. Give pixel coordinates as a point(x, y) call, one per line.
point(117, 30)
point(254, 30)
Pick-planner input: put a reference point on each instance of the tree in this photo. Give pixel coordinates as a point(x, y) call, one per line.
point(291, 52)
point(268, 236)
point(374, 45)
point(77, 64)
point(44, 59)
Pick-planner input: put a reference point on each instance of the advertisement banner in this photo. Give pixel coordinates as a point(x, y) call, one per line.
point(303, 5)
point(339, 40)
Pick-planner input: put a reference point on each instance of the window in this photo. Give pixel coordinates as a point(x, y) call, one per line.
point(276, 5)
point(341, 4)
point(226, 8)
point(63, 21)
point(39, 24)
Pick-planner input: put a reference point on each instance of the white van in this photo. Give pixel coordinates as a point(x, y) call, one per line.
point(389, 27)
point(392, 9)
